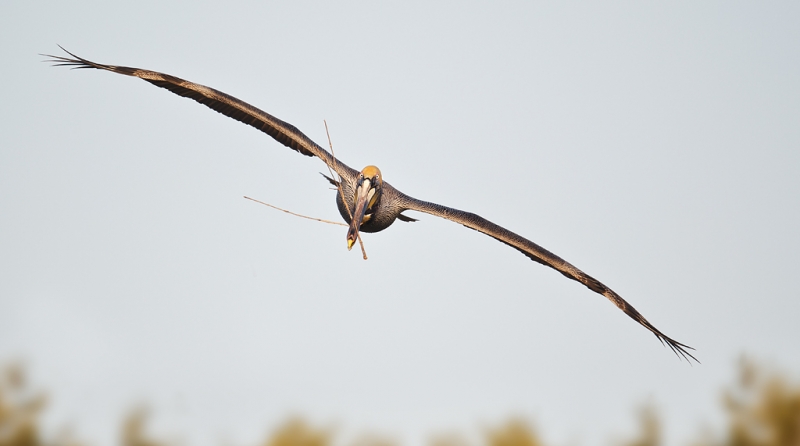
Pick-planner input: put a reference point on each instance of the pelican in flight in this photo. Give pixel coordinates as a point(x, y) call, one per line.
point(367, 202)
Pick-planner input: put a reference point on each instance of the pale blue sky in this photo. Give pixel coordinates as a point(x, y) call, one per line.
point(656, 147)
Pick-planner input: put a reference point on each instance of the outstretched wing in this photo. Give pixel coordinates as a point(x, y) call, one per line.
point(281, 131)
point(545, 257)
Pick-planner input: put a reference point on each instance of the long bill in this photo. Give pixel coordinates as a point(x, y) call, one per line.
point(364, 193)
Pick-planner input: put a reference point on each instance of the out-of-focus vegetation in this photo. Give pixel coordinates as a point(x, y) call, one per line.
point(297, 432)
point(649, 428)
point(513, 433)
point(762, 408)
point(19, 409)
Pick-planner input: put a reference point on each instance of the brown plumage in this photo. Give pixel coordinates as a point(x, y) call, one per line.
point(364, 193)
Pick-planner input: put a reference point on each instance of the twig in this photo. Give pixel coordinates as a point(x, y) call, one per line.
point(296, 215)
point(339, 186)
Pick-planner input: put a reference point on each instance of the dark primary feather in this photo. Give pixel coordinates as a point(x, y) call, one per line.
point(281, 131)
point(545, 257)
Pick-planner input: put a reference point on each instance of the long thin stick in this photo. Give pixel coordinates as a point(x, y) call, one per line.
point(296, 215)
point(339, 186)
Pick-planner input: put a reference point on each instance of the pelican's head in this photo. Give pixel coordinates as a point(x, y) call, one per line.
point(368, 193)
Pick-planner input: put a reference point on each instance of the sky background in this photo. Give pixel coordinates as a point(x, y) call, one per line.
point(654, 146)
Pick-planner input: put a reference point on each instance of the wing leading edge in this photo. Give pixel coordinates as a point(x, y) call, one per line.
point(223, 103)
point(547, 258)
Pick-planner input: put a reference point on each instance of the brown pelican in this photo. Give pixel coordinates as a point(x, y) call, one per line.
point(365, 201)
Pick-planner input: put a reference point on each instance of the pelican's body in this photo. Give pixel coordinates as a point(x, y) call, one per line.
point(365, 201)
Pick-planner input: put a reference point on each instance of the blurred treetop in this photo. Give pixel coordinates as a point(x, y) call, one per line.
point(762, 408)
